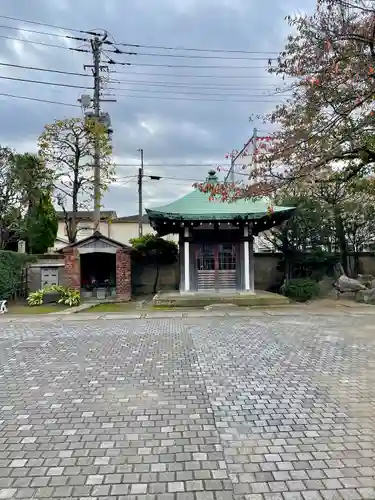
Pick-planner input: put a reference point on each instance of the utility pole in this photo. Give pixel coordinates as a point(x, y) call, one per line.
point(232, 160)
point(140, 196)
point(255, 132)
point(94, 102)
point(96, 44)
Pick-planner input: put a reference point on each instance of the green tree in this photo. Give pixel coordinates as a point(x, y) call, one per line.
point(41, 225)
point(35, 180)
point(10, 199)
point(67, 147)
point(33, 177)
point(306, 240)
point(152, 249)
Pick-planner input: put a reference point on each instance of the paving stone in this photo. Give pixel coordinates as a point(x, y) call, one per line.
point(274, 408)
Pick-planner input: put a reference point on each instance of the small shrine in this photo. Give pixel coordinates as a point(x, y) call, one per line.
point(216, 238)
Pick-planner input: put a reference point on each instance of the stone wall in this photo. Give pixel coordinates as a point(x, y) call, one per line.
point(367, 263)
point(143, 278)
point(267, 276)
point(34, 271)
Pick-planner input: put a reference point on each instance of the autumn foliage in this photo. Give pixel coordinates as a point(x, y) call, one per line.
point(326, 117)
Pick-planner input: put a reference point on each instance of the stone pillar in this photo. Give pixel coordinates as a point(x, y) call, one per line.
point(186, 260)
point(123, 275)
point(72, 267)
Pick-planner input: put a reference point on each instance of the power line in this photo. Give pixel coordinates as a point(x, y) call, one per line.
point(137, 82)
point(163, 177)
point(157, 47)
point(150, 65)
point(185, 75)
point(51, 45)
point(207, 165)
point(186, 56)
point(116, 50)
point(44, 83)
point(177, 92)
point(189, 85)
point(193, 99)
point(39, 100)
point(54, 26)
point(47, 70)
point(186, 49)
point(58, 35)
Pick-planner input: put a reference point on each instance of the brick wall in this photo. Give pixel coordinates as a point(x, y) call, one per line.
point(123, 274)
point(72, 268)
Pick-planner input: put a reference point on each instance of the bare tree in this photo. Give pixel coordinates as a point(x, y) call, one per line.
point(68, 148)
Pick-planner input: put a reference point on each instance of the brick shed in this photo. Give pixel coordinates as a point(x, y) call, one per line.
point(100, 245)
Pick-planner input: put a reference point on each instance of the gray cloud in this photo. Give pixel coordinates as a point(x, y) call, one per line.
point(170, 127)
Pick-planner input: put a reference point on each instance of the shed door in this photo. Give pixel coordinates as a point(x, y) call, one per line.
point(206, 269)
point(227, 275)
point(216, 267)
point(50, 276)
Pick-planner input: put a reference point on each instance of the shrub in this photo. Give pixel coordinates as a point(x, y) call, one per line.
point(301, 289)
point(35, 298)
point(11, 267)
point(68, 296)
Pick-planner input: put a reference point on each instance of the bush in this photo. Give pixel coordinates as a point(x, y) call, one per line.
point(68, 296)
point(301, 289)
point(11, 267)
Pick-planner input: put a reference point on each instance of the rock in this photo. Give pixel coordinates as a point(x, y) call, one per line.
point(345, 284)
point(365, 279)
point(325, 286)
point(366, 296)
point(51, 297)
point(141, 304)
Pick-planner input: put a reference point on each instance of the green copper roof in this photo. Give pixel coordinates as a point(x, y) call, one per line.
point(197, 206)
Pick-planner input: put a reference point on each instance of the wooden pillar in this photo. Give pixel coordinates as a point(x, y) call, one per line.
point(252, 262)
point(186, 260)
point(248, 260)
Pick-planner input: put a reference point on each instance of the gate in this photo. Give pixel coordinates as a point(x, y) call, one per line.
point(216, 267)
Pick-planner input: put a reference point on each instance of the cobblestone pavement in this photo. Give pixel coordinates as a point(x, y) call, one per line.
point(277, 408)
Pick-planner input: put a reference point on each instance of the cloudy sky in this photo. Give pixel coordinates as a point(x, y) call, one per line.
point(182, 111)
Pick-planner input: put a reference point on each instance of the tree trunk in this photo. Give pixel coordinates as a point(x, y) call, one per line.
point(156, 279)
point(341, 239)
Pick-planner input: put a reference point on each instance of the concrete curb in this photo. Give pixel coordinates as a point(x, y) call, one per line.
point(60, 317)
